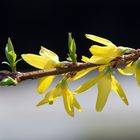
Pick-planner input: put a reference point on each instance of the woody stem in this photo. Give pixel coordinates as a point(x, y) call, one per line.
point(70, 67)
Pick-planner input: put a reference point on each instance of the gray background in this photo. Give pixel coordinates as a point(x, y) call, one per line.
point(33, 23)
point(21, 120)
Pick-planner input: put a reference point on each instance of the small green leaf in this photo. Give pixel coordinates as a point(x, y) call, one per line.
point(11, 55)
point(10, 45)
point(18, 61)
point(8, 81)
point(4, 62)
point(71, 44)
point(69, 59)
point(7, 53)
point(69, 40)
point(72, 49)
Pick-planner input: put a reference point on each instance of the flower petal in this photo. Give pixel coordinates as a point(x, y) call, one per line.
point(101, 68)
point(51, 99)
point(52, 95)
point(99, 40)
point(70, 95)
point(36, 61)
point(49, 54)
point(76, 104)
point(138, 76)
point(103, 55)
point(100, 60)
point(88, 84)
point(104, 87)
point(44, 83)
point(107, 51)
point(85, 59)
point(116, 87)
point(46, 98)
point(130, 69)
point(67, 103)
point(81, 73)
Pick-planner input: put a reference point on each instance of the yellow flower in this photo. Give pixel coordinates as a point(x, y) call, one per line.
point(103, 54)
point(133, 68)
point(105, 82)
point(69, 99)
point(81, 73)
point(47, 59)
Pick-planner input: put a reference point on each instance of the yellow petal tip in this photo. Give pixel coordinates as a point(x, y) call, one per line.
point(80, 110)
point(71, 114)
point(38, 105)
point(98, 109)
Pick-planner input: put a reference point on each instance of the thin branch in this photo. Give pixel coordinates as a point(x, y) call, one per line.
point(53, 71)
point(69, 67)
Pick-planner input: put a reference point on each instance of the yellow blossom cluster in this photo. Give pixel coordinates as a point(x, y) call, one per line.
point(101, 55)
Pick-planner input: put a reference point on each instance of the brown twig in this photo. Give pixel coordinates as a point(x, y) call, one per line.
point(69, 67)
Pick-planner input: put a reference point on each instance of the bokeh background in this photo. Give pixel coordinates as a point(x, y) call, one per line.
point(31, 24)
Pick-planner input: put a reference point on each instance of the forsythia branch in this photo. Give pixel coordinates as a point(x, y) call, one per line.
point(68, 67)
point(105, 58)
